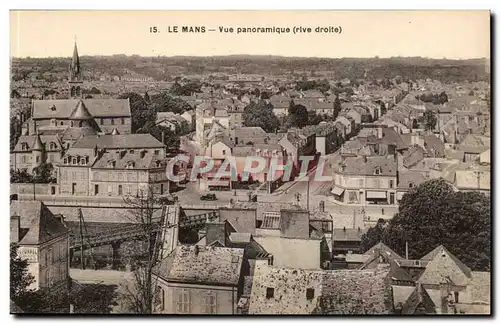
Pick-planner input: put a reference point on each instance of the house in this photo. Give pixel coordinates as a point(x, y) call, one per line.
point(452, 286)
point(32, 151)
point(43, 240)
point(326, 138)
point(113, 165)
point(170, 120)
point(366, 180)
point(346, 240)
point(200, 280)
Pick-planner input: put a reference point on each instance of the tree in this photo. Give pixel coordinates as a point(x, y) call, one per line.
point(337, 107)
point(20, 278)
point(373, 235)
point(443, 97)
point(140, 295)
point(20, 176)
point(297, 117)
point(260, 115)
point(44, 173)
point(430, 120)
point(433, 214)
point(14, 94)
point(138, 109)
point(264, 95)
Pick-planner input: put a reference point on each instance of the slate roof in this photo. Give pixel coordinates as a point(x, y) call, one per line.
point(262, 207)
point(31, 140)
point(407, 177)
point(349, 234)
point(80, 112)
point(149, 161)
point(210, 265)
point(435, 145)
point(414, 155)
point(118, 141)
point(358, 166)
point(96, 107)
point(38, 224)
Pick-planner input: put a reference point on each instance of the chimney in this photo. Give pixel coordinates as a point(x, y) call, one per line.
point(196, 250)
point(322, 206)
point(15, 227)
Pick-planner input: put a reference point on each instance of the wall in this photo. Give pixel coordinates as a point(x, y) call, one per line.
point(27, 188)
point(292, 253)
point(54, 262)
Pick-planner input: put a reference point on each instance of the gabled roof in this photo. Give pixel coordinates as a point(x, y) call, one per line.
point(37, 223)
point(62, 108)
point(443, 266)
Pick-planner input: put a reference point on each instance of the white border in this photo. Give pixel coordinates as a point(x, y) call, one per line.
point(191, 4)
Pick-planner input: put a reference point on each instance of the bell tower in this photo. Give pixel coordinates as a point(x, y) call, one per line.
point(75, 79)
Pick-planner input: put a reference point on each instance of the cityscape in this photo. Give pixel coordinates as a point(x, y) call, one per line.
point(249, 185)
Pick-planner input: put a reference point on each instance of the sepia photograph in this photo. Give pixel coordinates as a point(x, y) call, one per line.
point(285, 162)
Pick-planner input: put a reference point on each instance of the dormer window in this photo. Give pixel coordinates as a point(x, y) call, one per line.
point(111, 163)
point(53, 108)
point(158, 164)
point(131, 151)
point(82, 161)
point(24, 146)
point(411, 185)
point(378, 170)
point(130, 165)
point(65, 160)
point(74, 161)
point(52, 146)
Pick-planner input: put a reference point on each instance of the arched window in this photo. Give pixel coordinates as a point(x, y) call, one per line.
point(52, 146)
point(130, 165)
point(74, 161)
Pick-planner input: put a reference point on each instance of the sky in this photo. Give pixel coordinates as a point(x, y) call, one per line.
point(433, 34)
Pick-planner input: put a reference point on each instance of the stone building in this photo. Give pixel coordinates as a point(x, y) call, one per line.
point(113, 165)
point(43, 240)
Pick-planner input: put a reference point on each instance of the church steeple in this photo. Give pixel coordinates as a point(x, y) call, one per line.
point(75, 75)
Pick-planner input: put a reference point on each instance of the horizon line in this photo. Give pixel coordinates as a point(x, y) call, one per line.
point(254, 55)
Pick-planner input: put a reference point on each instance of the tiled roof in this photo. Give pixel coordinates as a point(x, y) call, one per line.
point(38, 224)
point(206, 265)
point(118, 141)
point(96, 107)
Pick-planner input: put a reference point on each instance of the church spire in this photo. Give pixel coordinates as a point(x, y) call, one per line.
point(75, 65)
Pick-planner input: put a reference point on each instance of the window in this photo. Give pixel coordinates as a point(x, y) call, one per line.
point(62, 123)
point(361, 183)
point(456, 296)
point(378, 170)
point(160, 298)
point(102, 121)
point(310, 293)
point(96, 190)
point(410, 185)
point(326, 226)
point(391, 183)
point(120, 190)
point(271, 220)
point(183, 301)
point(53, 122)
point(52, 146)
point(37, 159)
point(131, 151)
point(269, 292)
point(74, 161)
point(211, 303)
point(157, 152)
point(110, 190)
point(112, 121)
point(223, 152)
point(123, 121)
point(52, 190)
point(24, 146)
point(71, 123)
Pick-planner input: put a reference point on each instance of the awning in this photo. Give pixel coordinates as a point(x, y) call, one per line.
point(337, 191)
point(400, 195)
point(219, 183)
point(376, 194)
